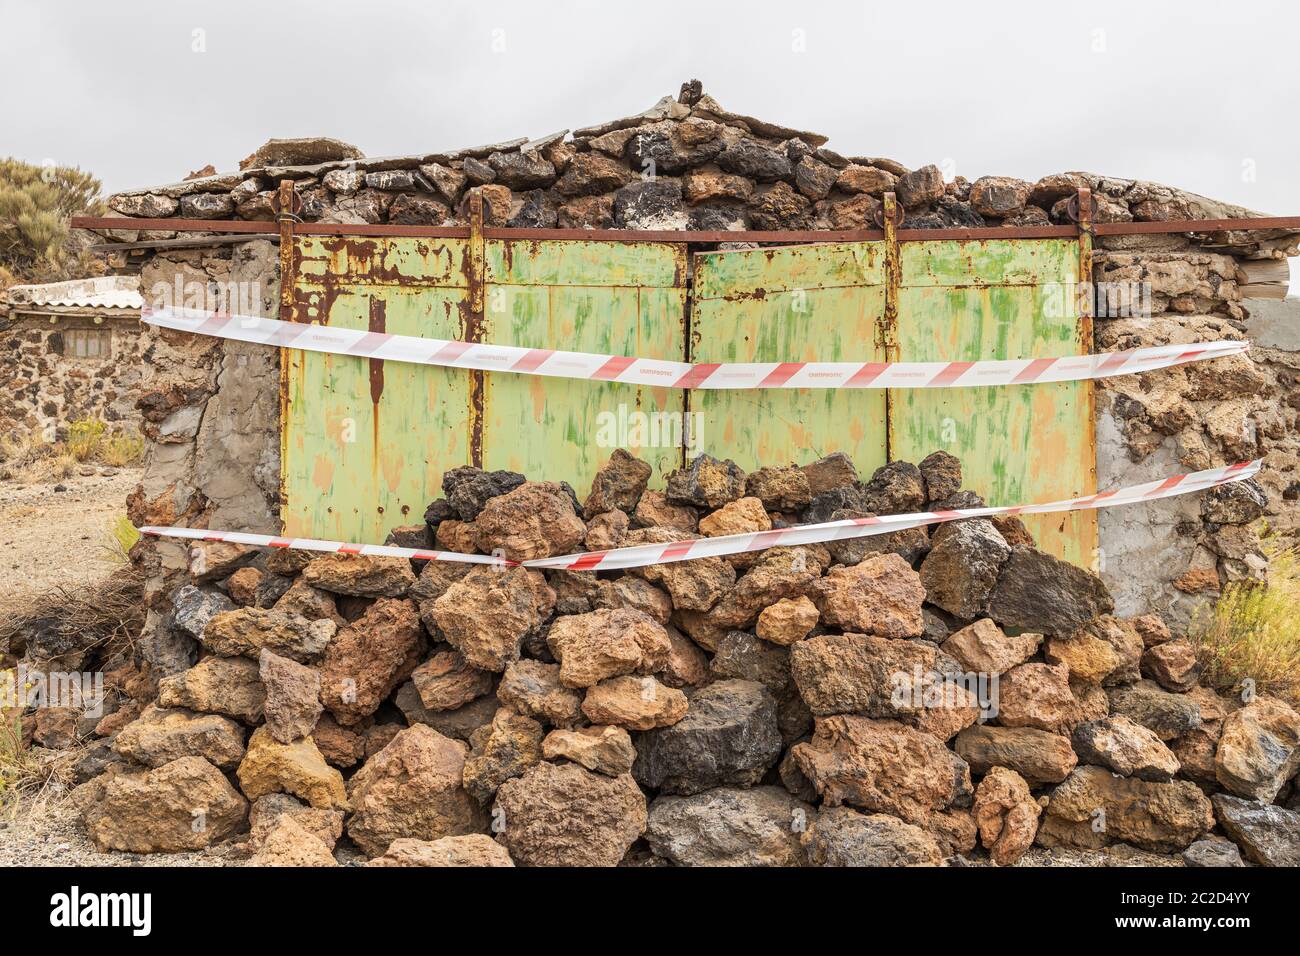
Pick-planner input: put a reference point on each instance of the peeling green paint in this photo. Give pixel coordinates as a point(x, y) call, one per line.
point(1018, 443)
point(797, 303)
point(609, 298)
point(354, 468)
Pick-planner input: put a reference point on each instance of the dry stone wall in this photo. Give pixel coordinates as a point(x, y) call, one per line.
point(45, 386)
point(1170, 556)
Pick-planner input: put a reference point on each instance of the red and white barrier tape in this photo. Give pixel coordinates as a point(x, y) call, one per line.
point(646, 554)
point(656, 372)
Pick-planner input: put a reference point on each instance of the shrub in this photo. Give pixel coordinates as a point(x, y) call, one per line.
point(89, 439)
point(84, 438)
point(1250, 634)
point(122, 448)
point(36, 244)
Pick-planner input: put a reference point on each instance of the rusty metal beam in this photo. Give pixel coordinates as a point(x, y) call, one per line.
point(1196, 225)
point(1199, 226)
point(191, 243)
point(123, 224)
point(1086, 298)
point(285, 216)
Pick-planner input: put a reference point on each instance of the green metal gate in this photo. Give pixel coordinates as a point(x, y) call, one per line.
point(365, 443)
point(601, 297)
point(992, 299)
point(919, 301)
point(796, 303)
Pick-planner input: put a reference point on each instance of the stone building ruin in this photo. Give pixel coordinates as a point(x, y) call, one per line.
point(71, 350)
point(689, 166)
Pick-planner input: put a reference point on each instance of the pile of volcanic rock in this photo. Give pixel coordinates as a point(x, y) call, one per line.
point(744, 710)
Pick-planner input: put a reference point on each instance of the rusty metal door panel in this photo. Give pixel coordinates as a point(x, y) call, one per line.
point(990, 262)
point(800, 303)
point(334, 261)
point(577, 262)
point(602, 297)
point(365, 442)
point(967, 301)
point(758, 271)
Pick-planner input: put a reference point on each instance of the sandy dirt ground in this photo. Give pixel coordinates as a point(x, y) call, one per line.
point(50, 538)
point(46, 831)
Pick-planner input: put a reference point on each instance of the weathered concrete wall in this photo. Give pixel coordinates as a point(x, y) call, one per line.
point(212, 424)
point(1275, 324)
point(44, 387)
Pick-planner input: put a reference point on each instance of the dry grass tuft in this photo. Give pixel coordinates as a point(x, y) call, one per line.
point(108, 612)
point(20, 769)
point(30, 457)
point(122, 537)
point(107, 616)
point(121, 449)
point(33, 782)
point(1250, 632)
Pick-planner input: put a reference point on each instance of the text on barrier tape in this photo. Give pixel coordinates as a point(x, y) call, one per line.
point(647, 554)
point(665, 373)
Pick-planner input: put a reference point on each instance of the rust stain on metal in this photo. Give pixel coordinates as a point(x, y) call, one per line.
point(286, 218)
point(288, 289)
point(893, 280)
point(378, 323)
point(757, 295)
point(475, 270)
point(322, 474)
point(887, 330)
point(355, 259)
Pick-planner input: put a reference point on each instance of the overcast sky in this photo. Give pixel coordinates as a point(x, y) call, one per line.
point(1201, 95)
